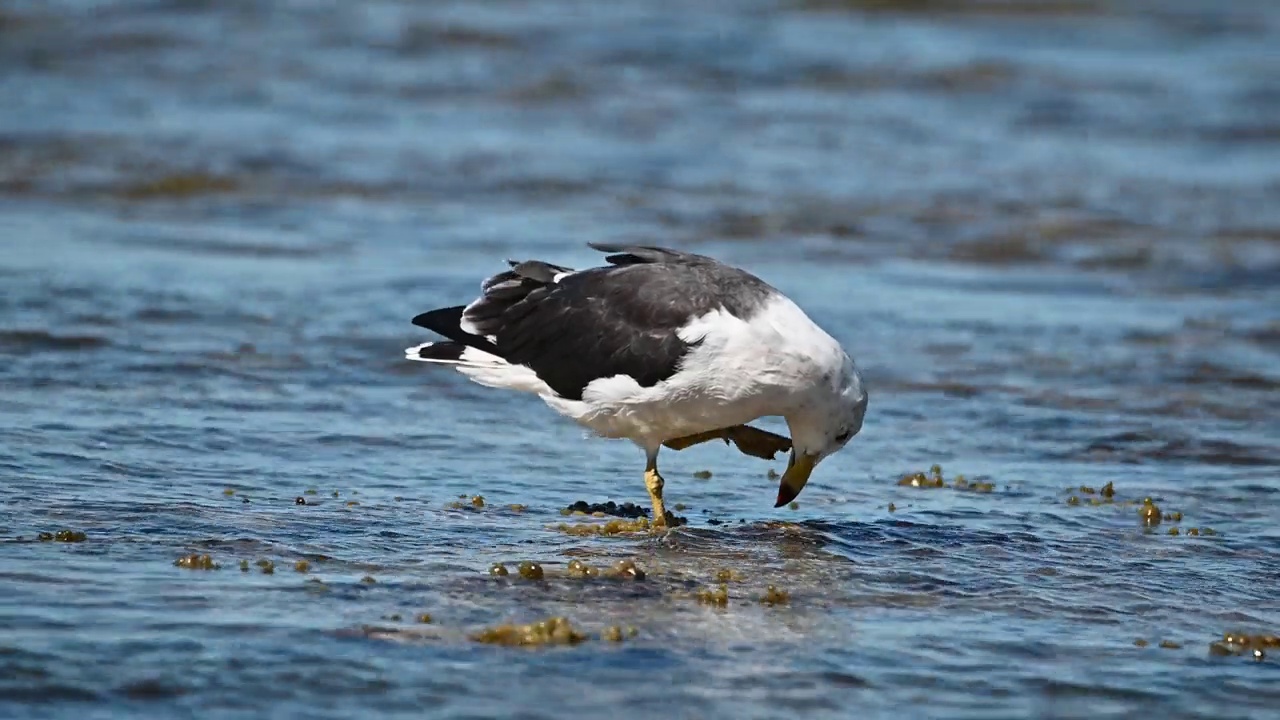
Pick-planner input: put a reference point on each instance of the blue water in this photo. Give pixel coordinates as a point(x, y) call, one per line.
point(1049, 233)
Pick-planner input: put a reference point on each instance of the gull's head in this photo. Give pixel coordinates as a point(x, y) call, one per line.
point(824, 420)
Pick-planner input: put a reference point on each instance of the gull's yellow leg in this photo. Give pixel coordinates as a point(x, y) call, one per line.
point(751, 441)
point(758, 443)
point(653, 482)
point(689, 441)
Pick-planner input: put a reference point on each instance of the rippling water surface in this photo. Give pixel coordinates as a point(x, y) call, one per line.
point(1048, 231)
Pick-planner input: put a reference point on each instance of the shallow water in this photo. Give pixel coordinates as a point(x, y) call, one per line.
point(1049, 233)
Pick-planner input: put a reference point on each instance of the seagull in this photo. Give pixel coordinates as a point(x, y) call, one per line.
point(663, 348)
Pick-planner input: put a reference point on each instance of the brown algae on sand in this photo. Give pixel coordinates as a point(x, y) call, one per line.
point(727, 575)
point(613, 527)
point(577, 568)
point(702, 475)
point(477, 501)
point(1238, 643)
point(1149, 512)
point(423, 619)
point(627, 570)
point(369, 580)
point(179, 185)
point(616, 633)
point(302, 566)
point(774, 596)
point(196, 561)
point(268, 567)
point(552, 631)
point(920, 480)
point(935, 479)
point(717, 598)
point(67, 536)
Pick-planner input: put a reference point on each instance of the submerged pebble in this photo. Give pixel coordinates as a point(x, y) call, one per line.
point(625, 510)
point(530, 570)
point(499, 570)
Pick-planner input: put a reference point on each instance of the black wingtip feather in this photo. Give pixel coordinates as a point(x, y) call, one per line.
point(445, 321)
point(448, 322)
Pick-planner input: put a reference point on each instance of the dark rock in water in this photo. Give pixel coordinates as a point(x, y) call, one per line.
point(626, 510)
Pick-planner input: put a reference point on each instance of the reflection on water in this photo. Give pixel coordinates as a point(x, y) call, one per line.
point(1049, 232)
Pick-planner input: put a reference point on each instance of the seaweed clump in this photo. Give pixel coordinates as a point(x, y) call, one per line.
point(196, 562)
point(552, 631)
point(67, 536)
point(615, 633)
point(1149, 513)
point(1237, 643)
point(717, 598)
point(920, 480)
point(774, 596)
point(613, 527)
point(935, 479)
point(628, 570)
point(577, 568)
point(530, 570)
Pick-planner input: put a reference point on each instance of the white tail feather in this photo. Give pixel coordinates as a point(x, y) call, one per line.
point(488, 369)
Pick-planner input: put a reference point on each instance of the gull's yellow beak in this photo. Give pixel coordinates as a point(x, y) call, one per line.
point(799, 467)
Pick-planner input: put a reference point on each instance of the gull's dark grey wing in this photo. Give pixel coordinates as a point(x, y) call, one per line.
point(571, 327)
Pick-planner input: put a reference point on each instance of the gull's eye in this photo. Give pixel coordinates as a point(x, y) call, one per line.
point(844, 436)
